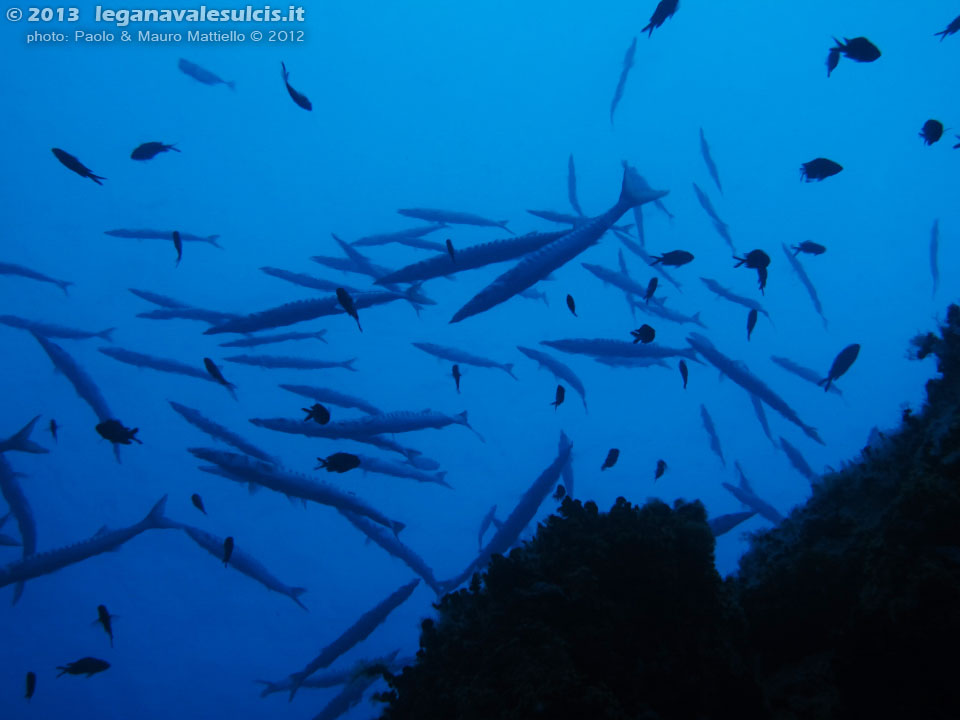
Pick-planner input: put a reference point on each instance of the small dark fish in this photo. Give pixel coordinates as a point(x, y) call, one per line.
point(757, 260)
point(202, 75)
point(84, 666)
point(559, 493)
point(178, 245)
point(78, 167)
point(346, 302)
point(106, 620)
point(683, 373)
point(561, 394)
point(31, 684)
point(663, 12)
point(644, 334)
point(53, 429)
point(298, 97)
point(958, 144)
point(841, 364)
point(150, 150)
point(198, 503)
point(810, 247)
point(453, 255)
point(661, 469)
point(952, 28)
point(859, 49)
point(833, 59)
point(571, 305)
point(115, 432)
point(751, 322)
point(674, 257)
point(318, 413)
point(611, 460)
point(457, 376)
point(651, 289)
point(932, 131)
point(217, 375)
point(340, 462)
point(227, 550)
point(819, 169)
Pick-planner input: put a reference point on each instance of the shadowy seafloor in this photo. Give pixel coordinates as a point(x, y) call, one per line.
point(850, 608)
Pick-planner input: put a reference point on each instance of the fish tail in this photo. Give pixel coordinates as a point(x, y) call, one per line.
point(508, 369)
point(348, 364)
point(503, 224)
point(269, 687)
point(295, 593)
point(231, 84)
point(463, 421)
point(106, 334)
point(96, 178)
point(63, 285)
point(397, 526)
point(156, 518)
point(439, 478)
point(173, 147)
point(319, 335)
point(212, 239)
point(296, 680)
point(21, 442)
point(17, 594)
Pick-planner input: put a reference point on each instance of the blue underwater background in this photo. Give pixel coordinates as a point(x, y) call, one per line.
point(473, 106)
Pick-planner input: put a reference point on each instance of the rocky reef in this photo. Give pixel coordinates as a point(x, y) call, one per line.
point(849, 608)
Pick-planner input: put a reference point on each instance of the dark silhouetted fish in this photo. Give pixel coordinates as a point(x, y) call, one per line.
point(202, 74)
point(280, 337)
point(21, 271)
point(934, 249)
point(84, 666)
point(931, 131)
point(160, 235)
point(809, 247)
point(841, 364)
point(218, 377)
point(219, 432)
point(71, 163)
point(751, 323)
point(559, 493)
point(643, 334)
point(451, 251)
point(198, 503)
point(453, 217)
point(20, 509)
point(346, 302)
point(163, 365)
point(684, 373)
point(400, 236)
point(178, 246)
point(340, 462)
point(227, 550)
point(819, 169)
point(708, 159)
point(106, 620)
point(723, 524)
point(572, 186)
point(651, 288)
point(456, 377)
point(762, 417)
point(754, 502)
point(952, 28)
point(798, 462)
point(318, 413)
point(727, 294)
point(115, 432)
point(571, 305)
point(674, 258)
point(359, 631)
point(401, 470)
point(559, 370)
point(811, 376)
point(31, 684)
point(859, 49)
point(602, 347)
point(757, 260)
point(558, 398)
point(660, 310)
point(244, 563)
point(53, 429)
point(21, 442)
point(663, 12)
point(462, 356)
point(721, 227)
point(292, 363)
point(712, 433)
point(805, 280)
point(611, 459)
point(661, 469)
point(298, 97)
point(149, 150)
point(622, 82)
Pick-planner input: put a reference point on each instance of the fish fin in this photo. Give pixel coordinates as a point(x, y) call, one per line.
point(106, 334)
point(63, 285)
point(503, 224)
point(156, 517)
point(440, 479)
point(269, 687)
point(21, 441)
point(508, 369)
point(348, 364)
point(295, 593)
point(17, 594)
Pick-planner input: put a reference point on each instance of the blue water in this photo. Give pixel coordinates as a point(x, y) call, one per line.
point(470, 106)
